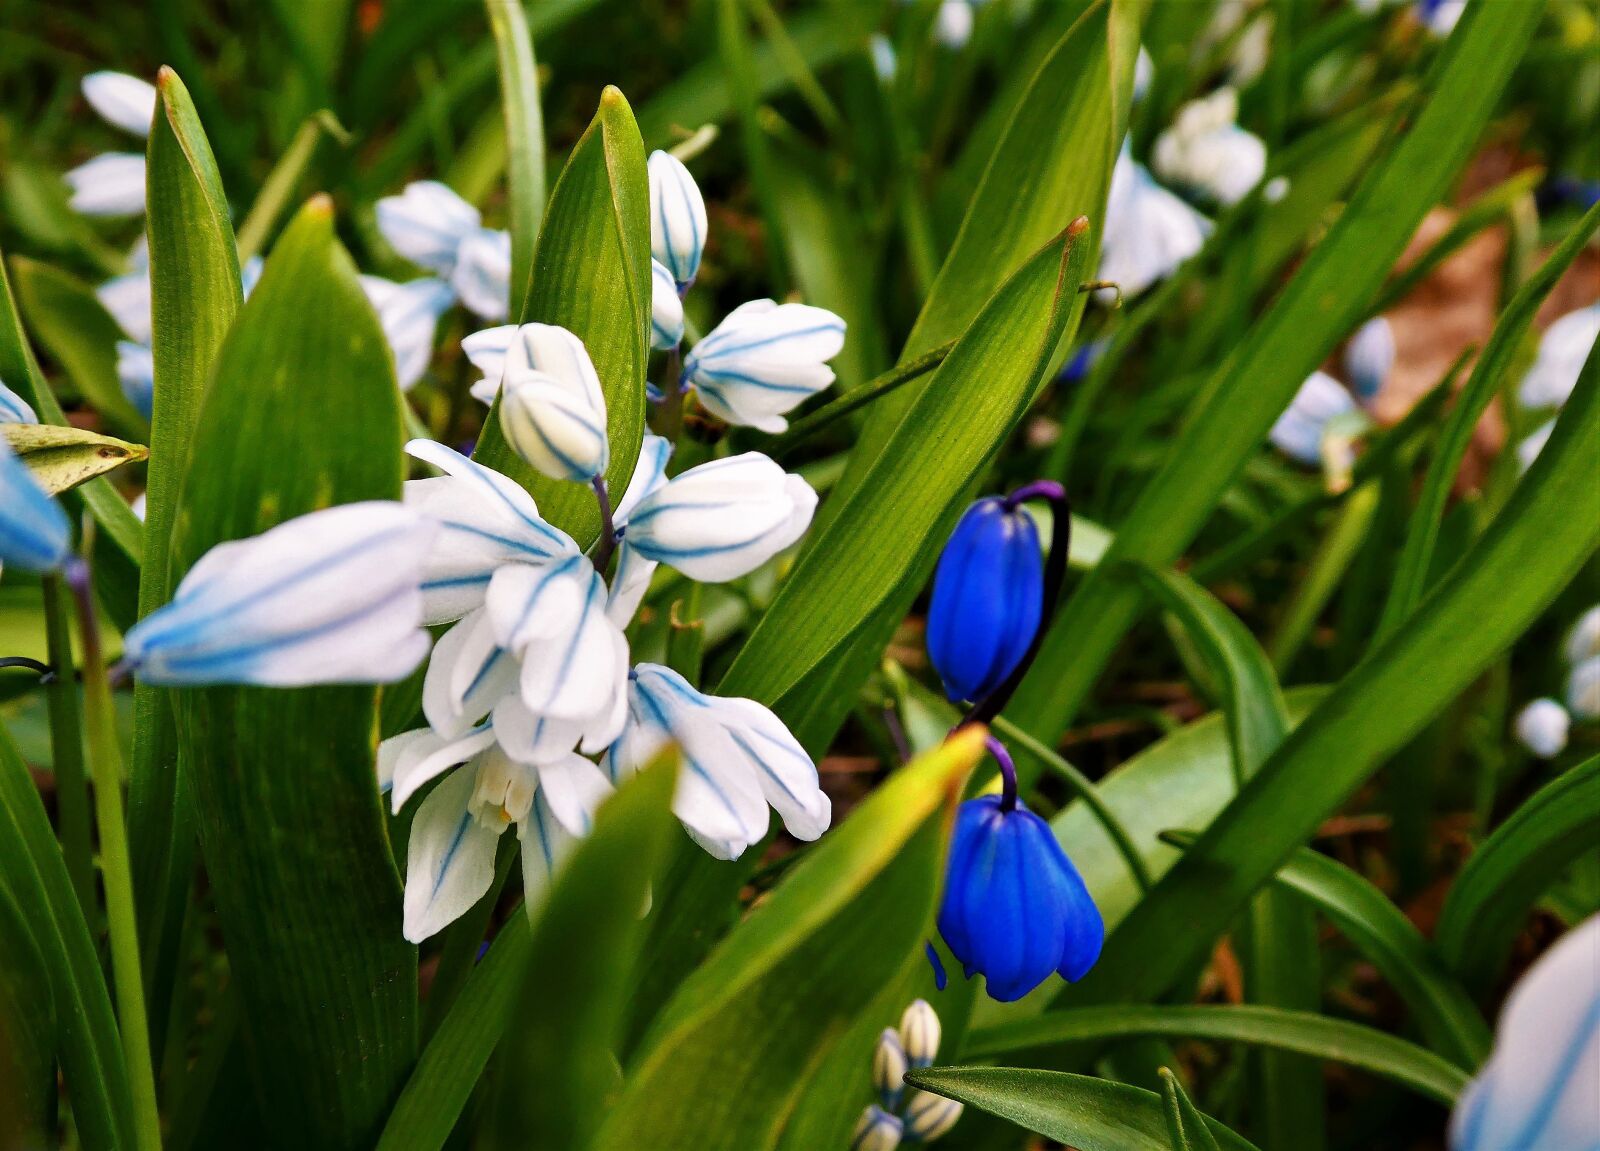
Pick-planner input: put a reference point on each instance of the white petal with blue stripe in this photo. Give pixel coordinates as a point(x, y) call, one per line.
point(677, 218)
point(449, 857)
point(468, 674)
point(426, 224)
point(122, 101)
point(34, 532)
point(763, 360)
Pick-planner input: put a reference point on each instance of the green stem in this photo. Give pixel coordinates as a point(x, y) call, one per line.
point(1085, 790)
point(813, 422)
point(66, 743)
point(105, 760)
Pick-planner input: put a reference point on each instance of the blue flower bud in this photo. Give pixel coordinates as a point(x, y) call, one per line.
point(1015, 909)
point(988, 595)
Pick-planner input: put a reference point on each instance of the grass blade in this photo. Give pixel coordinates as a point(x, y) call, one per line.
point(519, 101)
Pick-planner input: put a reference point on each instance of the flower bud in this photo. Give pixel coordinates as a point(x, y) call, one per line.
point(1583, 640)
point(877, 1130)
point(889, 1069)
point(763, 361)
point(559, 432)
point(929, 1116)
point(988, 594)
point(1542, 727)
point(919, 1033)
point(1583, 689)
point(677, 218)
point(666, 309)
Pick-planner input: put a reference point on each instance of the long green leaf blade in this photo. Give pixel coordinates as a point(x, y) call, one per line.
point(519, 101)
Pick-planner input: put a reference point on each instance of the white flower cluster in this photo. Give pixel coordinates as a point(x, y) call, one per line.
point(899, 1115)
point(1563, 350)
point(1543, 725)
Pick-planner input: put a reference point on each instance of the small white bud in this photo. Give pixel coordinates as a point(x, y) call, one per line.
point(1583, 689)
point(1583, 640)
point(1542, 728)
point(929, 1116)
point(877, 1130)
point(889, 1069)
point(919, 1032)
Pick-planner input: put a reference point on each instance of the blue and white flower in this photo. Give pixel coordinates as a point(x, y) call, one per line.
point(1369, 357)
point(920, 1033)
point(889, 1067)
point(433, 227)
point(1563, 350)
point(666, 309)
point(330, 597)
point(677, 218)
point(1541, 1086)
point(1149, 230)
point(723, 519)
point(34, 532)
point(764, 360)
point(14, 409)
point(112, 183)
point(1207, 153)
point(136, 373)
point(409, 315)
point(1583, 689)
point(1542, 728)
point(1583, 639)
point(1301, 431)
point(876, 1130)
point(1440, 17)
point(738, 758)
point(556, 424)
point(928, 1116)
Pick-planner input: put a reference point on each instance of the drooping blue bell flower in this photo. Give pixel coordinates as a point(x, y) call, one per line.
point(988, 597)
point(1015, 910)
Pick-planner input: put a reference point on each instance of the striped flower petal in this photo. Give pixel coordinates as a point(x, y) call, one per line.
point(763, 361)
point(409, 315)
point(426, 224)
point(449, 858)
point(482, 274)
point(122, 101)
point(677, 218)
point(666, 308)
point(412, 758)
point(468, 674)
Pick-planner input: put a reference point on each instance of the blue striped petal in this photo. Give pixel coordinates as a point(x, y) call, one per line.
point(409, 315)
point(666, 309)
point(677, 218)
point(449, 858)
point(482, 274)
point(426, 224)
point(763, 361)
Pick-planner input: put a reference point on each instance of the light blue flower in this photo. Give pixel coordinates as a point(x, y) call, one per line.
point(1149, 231)
point(677, 218)
point(330, 597)
point(1369, 357)
point(763, 360)
point(666, 308)
point(14, 409)
point(1540, 1090)
point(34, 532)
point(1206, 152)
point(1440, 17)
point(723, 519)
point(113, 183)
point(485, 521)
point(1299, 432)
point(1583, 639)
point(409, 315)
point(738, 758)
point(889, 1066)
point(433, 227)
point(1563, 350)
point(136, 372)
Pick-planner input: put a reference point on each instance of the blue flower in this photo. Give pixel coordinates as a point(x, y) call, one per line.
point(1015, 909)
point(988, 595)
point(34, 532)
point(14, 409)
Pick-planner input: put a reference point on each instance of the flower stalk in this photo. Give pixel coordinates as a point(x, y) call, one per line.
point(66, 744)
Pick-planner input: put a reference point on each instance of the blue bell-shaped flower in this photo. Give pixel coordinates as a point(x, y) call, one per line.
point(988, 599)
point(1015, 909)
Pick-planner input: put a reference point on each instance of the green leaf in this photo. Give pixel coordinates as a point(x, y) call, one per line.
point(195, 294)
point(278, 194)
point(591, 275)
point(284, 780)
point(1545, 533)
point(519, 100)
point(744, 1029)
point(557, 1069)
point(120, 542)
point(868, 562)
point(1505, 344)
point(1320, 306)
point(1378, 929)
point(1089, 1114)
point(1303, 1032)
point(34, 878)
point(1185, 1125)
point(75, 328)
point(29, 1034)
point(1514, 867)
point(61, 458)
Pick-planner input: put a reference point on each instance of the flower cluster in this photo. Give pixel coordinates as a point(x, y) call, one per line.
point(1322, 423)
point(1543, 725)
point(1205, 152)
point(534, 677)
point(901, 1116)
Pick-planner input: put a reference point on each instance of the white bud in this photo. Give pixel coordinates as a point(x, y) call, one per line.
point(877, 1130)
point(919, 1031)
point(929, 1116)
point(1583, 640)
point(889, 1069)
point(1542, 728)
point(1583, 689)
point(677, 218)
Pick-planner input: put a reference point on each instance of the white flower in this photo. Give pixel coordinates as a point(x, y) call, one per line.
point(929, 1116)
point(136, 372)
point(409, 315)
point(1441, 16)
point(34, 532)
point(431, 226)
point(763, 361)
point(468, 674)
point(485, 520)
point(952, 27)
point(1144, 73)
point(574, 658)
point(1299, 432)
point(876, 1130)
point(127, 298)
point(723, 519)
point(122, 101)
point(631, 578)
point(1541, 1086)
point(1542, 728)
point(14, 409)
point(1528, 450)
point(677, 218)
point(1149, 231)
point(920, 1032)
point(110, 184)
point(1563, 350)
point(738, 757)
point(889, 1069)
point(884, 62)
point(1583, 689)
point(1583, 640)
point(329, 597)
point(552, 410)
point(1207, 152)
point(666, 308)
point(1368, 358)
